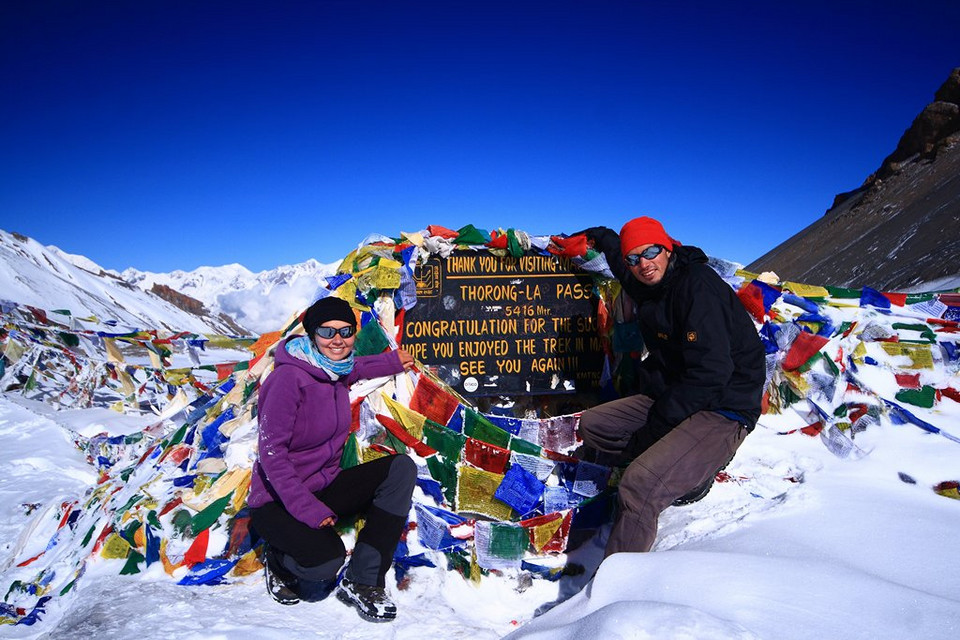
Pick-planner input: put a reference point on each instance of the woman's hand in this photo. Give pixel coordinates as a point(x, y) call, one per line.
point(327, 522)
point(405, 359)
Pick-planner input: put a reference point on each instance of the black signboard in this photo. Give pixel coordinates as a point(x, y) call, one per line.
point(492, 325)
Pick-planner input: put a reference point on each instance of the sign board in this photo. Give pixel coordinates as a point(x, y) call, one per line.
point(492, 325)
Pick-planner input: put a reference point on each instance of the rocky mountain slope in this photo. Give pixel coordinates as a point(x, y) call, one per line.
point(901, 228)
point(40, 276)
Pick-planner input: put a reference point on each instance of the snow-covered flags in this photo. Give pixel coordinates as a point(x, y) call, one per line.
point(496, 492)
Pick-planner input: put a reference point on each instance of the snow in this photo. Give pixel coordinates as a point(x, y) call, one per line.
point(796, 543)
point(261, 302)
point(848, 551)
point(47, 278)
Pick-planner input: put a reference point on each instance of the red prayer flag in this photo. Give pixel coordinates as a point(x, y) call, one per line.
point(437, 231)
point(430, 400)
point(752, 299)
point(486, 456)
point(572, 247)
point(908, 381)
point(197, 552)
point(898, 299)
point(404, 436)
point(498, 240)
point(802, 349)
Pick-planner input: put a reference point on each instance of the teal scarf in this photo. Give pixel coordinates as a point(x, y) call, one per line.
point(302, 348)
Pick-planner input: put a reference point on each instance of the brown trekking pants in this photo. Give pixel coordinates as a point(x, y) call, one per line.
point(680, 461)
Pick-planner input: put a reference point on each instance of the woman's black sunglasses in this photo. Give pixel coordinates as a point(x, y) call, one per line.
point(328, 332)
point(647, 254)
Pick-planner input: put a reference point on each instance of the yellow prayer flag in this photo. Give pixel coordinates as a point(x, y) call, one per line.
point(126, 383)
point(412, 238)
point(240, 494)
point(115, 547)
point(798, 382)
point(807, 290)
point(200, 500)
point(410, 420)
point(369, 455)
point(13, 351)
point(544, 533)
point(919, 354)
point(113, 353)
point(168, 566)
point(248, 564)
point(475, 490)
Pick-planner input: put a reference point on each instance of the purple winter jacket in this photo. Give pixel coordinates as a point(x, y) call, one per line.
point(304, 419)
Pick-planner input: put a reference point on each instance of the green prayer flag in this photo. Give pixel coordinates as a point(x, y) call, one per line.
point(181, 523)
point(371, 340)
point(444, 472)
point(471, 235)
point(842, 292)
point(133, 563)
point(69, 339)
point(479, 428)
point(522, 446)
point(447, 442)
point(208, 516)
point(923, 397)
point(351, 453)
point(508, 541)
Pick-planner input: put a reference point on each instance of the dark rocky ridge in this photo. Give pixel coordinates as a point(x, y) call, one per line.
point(901, 228)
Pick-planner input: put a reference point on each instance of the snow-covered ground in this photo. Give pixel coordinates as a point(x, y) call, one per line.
point(797, 544)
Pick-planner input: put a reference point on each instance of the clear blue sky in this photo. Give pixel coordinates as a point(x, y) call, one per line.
point(170, 135)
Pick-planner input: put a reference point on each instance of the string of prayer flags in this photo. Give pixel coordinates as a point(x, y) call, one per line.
point(498, 492)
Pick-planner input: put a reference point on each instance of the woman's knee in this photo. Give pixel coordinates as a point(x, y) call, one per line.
point(324, 550)
point(395, 493)
point(403, 471)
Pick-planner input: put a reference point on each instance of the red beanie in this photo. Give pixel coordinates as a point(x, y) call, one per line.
point(641, 231)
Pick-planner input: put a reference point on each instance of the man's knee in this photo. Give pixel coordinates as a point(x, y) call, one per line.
point(636, 486)
point(588, 426)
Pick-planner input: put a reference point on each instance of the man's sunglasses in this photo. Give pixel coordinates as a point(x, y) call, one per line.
point(328, 332)
point(647, 254)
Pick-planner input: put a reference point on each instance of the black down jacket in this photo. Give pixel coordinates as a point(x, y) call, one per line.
point(704, 351)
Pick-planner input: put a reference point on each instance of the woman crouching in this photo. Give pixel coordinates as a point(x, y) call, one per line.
point(298, 490)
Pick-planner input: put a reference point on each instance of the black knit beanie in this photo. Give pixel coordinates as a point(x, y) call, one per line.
point(327, 309)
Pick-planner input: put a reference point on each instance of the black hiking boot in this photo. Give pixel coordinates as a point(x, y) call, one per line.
point(700, 492)
point(372, 603)
point(281, 584)
point(697, 494)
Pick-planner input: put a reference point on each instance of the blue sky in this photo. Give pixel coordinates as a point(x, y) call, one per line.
point(170, 135)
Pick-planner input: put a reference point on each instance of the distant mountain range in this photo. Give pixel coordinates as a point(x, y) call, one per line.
point(261, 302)
point(900, 230)
point(50, 279)
point(228, 300)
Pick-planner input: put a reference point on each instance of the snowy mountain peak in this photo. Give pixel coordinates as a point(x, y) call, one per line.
point(48, 278)
point(260, 301)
